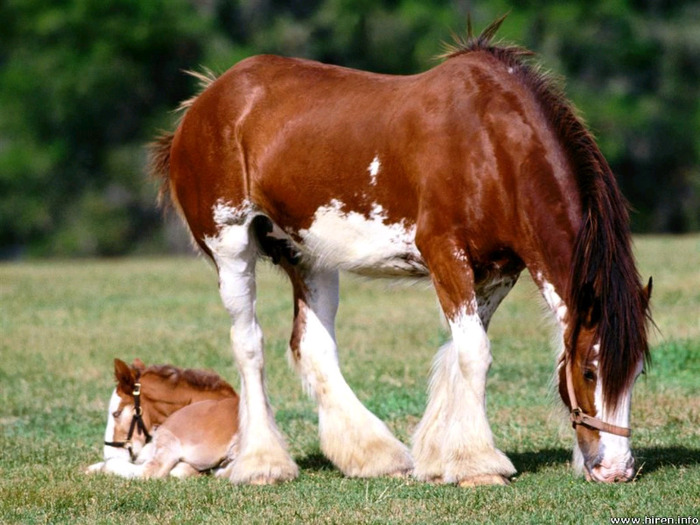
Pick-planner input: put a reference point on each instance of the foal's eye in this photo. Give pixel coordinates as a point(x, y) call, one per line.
point(116, 414)
point(589, 375)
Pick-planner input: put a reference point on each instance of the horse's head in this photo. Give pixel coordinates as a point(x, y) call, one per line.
point(595, 382)
point(128, 420)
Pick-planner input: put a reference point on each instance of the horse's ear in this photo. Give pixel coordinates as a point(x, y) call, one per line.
point(138, 365)
point(646, 293)
point(124, 376)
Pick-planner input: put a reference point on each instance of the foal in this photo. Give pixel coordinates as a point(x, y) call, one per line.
point(192, 415)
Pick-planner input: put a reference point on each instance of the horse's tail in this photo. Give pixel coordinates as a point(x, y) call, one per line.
point(159, 166)
point(159, 150)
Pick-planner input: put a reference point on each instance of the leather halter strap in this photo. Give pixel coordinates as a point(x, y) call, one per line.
point(579, 417)
point(136, 423)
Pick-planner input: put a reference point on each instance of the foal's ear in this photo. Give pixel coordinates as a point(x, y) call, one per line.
point(138, 365)
point(124, 376)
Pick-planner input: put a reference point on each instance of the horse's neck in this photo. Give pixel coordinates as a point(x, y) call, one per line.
point(550, 250)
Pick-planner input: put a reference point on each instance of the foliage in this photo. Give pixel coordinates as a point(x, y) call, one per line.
point(68, 322)
point(81, 85)
point(85, 83)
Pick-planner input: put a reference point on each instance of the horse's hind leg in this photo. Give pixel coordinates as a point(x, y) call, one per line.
point(453, 442)
point(263, 457)
point(353, 438)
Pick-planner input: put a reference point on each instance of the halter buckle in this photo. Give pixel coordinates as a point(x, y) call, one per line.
point(576, 417)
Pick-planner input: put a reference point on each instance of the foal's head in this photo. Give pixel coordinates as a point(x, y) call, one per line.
point(596, 378)
point(123, 436)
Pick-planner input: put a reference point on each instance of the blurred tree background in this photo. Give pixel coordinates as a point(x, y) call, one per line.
point(84, 84)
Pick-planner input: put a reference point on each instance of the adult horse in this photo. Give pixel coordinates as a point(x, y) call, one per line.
point(467, 174)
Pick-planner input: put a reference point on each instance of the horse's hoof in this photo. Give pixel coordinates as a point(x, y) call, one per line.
point(254, 471)
point(264, 480)
point(401, 474)
point(484, 479)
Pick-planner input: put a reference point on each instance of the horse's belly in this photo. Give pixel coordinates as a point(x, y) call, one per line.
point(365, 244)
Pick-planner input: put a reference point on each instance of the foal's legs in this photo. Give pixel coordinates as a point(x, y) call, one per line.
point(353, 438)
point(453, 442)
point(262, 457)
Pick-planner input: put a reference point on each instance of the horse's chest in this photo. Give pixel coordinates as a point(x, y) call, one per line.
point(362, 243)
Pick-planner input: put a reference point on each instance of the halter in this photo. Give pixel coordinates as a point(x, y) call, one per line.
point(136, 422)
point(579, 417)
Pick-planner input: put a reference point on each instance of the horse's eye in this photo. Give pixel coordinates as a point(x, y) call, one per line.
point(589, 375)
point(116, 414)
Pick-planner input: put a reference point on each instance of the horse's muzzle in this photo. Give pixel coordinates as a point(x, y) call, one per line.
point(616, 473)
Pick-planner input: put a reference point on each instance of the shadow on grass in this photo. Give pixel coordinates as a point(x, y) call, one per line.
point(316, 462)
point(532, 462)
point(649, 459)
point(655, 458)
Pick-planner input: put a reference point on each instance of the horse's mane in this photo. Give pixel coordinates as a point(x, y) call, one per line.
point(604, 286)
point(197, 379)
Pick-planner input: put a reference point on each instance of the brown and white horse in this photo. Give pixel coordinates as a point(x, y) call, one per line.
point(191, 416)
point(467, 174)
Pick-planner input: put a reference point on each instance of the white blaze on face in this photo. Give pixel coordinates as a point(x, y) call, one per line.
point(616, 455)
point(373, 169)
point(113, 452)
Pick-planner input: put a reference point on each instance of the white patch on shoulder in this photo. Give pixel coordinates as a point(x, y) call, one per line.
point(556, 304)
point(373, 169)
point(362, 244)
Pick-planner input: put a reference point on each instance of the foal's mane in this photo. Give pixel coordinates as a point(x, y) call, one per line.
point(197, 379)
point(604, 287)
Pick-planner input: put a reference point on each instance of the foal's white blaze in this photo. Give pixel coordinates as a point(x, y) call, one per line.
point(113, 452)
point(362, 244)
point(373, 169)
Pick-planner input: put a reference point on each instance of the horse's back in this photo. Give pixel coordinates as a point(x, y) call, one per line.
point(350, 163)
point(210, 421)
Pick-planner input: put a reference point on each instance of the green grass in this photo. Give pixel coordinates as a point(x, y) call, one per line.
point(62, 323)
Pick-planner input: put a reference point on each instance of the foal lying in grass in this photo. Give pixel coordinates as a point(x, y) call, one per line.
point(164, 420)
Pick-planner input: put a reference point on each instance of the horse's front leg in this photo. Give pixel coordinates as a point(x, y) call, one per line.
point(453, 442)
point(353, 438)
point(122, 468)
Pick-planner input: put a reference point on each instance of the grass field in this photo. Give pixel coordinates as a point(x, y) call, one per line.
point(62, 323)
